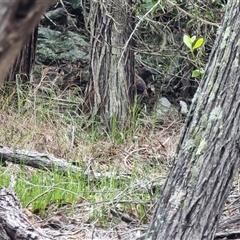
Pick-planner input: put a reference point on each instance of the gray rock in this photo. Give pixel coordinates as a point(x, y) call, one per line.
point(163, 107)
point(56, 47)
point(184, 107)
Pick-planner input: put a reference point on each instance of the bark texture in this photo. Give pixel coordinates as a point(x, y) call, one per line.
point(18, 19)
point(13, 223)
point(112, 61)
point(209, 151)
point(25, 59)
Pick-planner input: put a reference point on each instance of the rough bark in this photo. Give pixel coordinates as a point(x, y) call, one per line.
point(209, 150)
point(25, 59)
point(112, 62)
point(13, 223)
point(18, 19)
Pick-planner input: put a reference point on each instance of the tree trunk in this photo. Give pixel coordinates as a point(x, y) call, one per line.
point(25, 59)
point(18, 19)
point(109, 93)
point(209, 150)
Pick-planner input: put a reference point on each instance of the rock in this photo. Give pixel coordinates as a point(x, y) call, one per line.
point(183, 107)
point(56, 47)
point(163, 107)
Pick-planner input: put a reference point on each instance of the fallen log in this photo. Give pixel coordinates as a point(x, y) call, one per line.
point(37, 160)
point(49, 162)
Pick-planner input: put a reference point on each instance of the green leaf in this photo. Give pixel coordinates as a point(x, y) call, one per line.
point(148, 4)
point(193, 38)
point(198, 43)
point(208, 14)
point(196, 73)
point(187, 41)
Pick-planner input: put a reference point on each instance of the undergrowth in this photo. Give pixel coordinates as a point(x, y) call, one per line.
point(46, 119)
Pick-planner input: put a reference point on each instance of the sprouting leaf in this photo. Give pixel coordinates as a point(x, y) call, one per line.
point(187, 41)
point(196, 73)
point(198, 43)
point(193, 38)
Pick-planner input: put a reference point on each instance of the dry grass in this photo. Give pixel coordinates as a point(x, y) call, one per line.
point(35, 122)
point(45, 120)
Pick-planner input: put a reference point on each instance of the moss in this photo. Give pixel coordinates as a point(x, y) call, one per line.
point(216, 114)
point(195, 174)
point(188, 145)
point(204, 122)
point(202, 147)
point(227, 33)
point(235, 63)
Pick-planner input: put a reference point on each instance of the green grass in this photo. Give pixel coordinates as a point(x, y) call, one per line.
point(46, 192)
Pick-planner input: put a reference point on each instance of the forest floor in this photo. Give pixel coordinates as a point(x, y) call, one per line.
point(133, 165)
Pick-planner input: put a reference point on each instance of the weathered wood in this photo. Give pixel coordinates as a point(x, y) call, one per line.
point(37, 160)
point(18, 19)
point(49, 162)
point(13, 222)
point(208, 154)
point(233, 234)
point(229, 222)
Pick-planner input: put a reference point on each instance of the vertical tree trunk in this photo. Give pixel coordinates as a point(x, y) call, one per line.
point(18, 18)
point(209, 151)
point(25, 59)
point(112, 62)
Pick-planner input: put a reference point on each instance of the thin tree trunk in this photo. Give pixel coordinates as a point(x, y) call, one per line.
point(112, 62)
point(209, 151)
